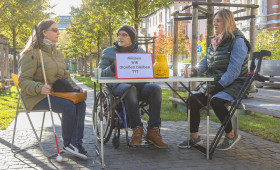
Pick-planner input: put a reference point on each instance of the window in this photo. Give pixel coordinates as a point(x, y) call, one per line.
point(169, 13)
point(156, 20)
point(169, 30)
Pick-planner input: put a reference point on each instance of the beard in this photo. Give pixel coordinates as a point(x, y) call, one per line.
point(121, 44)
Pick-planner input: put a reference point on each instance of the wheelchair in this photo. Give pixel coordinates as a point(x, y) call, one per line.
point(114, 117)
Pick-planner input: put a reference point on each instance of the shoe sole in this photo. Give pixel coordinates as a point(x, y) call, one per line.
point(185, 147)
point(238, 138)
point(156, 145)
point(135, 144)
point(77, 155)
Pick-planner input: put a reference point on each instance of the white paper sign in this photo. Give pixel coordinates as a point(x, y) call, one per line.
point(134, 65)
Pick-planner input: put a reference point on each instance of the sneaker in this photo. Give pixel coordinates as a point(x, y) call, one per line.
point(136, 138)
point(81, 148)
point(74, 151)
point(228, 142)
point(193, 141)
point(155, 137)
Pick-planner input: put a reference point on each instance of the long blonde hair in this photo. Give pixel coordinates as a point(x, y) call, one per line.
point(228, 20)
point(32, 41)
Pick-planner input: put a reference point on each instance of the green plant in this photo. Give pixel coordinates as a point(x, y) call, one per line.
point(8, 104)
point(87, 81)
point(269, 40)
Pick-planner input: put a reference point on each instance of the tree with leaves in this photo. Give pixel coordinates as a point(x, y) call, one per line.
point(269, 40)
point(164, 44)
point(17, 18)
point(134, 10)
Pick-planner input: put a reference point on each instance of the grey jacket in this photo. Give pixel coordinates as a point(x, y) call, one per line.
point(108, 58)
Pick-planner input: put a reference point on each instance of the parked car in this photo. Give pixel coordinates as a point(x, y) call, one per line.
point(181, 68)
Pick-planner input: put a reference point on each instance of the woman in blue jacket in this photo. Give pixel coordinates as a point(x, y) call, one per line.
point(226, 60)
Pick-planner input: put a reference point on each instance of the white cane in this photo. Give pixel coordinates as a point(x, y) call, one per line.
point(59, 157)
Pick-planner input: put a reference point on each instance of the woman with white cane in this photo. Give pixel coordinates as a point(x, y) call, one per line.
point(36, 81)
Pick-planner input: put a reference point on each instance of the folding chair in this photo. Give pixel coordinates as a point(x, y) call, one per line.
point(20, 101)
point(254, 74)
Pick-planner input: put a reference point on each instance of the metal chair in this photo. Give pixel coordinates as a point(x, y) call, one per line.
point(23, 109)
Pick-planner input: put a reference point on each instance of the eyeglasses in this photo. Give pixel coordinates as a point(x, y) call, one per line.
point(53, 29)
point(124, 35)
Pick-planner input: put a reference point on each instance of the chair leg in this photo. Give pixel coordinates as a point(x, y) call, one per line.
point(59, 116)
point(43, 121)
point(39, 142)
point(14, 132)
point(234, 121)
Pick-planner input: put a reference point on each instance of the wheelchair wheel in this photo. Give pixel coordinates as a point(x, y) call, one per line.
point(108, 119)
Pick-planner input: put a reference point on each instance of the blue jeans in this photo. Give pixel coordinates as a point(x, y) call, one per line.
point(150, 93)
point(73, 117)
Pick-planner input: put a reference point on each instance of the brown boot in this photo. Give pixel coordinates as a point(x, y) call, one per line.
point(154, 136)
point(136, 138)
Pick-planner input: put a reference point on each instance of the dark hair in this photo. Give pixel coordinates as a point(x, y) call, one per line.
point(32, 41)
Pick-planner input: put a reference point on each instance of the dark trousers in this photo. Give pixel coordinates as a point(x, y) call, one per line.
point(73, 117)
point(150, 93)
point(217, 104)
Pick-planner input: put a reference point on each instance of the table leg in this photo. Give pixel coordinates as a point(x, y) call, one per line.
point(189, 117)
point(208, 115)
point(101, 128)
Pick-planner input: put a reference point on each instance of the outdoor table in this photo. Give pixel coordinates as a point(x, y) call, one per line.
point(181, 80)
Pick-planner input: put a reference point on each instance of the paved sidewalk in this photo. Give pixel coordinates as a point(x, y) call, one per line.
point(250, 153)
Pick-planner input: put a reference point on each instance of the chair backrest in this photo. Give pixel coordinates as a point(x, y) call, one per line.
point(15, 80)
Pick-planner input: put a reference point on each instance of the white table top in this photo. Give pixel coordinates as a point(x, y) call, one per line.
point(170, 79)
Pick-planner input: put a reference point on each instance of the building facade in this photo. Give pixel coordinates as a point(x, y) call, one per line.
point(63, 22)
point(267, 17)
point(163, 20)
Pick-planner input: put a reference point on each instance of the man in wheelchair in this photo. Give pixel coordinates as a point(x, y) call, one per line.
point(150, 93)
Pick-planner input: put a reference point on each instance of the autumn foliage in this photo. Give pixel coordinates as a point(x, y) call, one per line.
point(164, 43)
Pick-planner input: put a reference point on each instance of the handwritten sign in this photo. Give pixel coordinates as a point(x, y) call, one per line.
point(134, 65)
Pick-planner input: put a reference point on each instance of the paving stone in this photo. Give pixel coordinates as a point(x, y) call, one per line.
point(251, 152)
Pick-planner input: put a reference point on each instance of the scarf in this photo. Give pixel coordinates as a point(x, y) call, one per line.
point(126, 49)
point(217, 40)
point(49, 42)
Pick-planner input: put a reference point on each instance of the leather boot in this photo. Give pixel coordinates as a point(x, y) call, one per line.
point(154, 137)
point(136, 138)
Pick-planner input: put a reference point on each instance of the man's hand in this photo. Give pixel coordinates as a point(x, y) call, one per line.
point(46, 89)
point(78, 88)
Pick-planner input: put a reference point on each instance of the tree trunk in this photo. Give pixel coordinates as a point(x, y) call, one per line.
point(252, 31)
point(194, 40)
point(98, 50)
point(85, 65)
point(210, 26)
point(175, 55)
point(110, 32)
point(14, 52)
point(136, 17)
